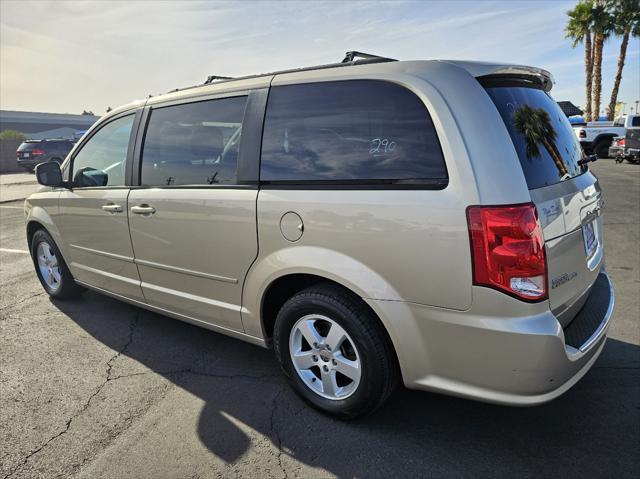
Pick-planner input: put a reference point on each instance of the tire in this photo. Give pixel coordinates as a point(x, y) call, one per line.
point(601, 149)
point(366, 344)
point(52, 271)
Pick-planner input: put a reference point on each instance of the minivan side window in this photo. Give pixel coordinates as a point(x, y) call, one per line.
point(102, 159)
point(193, 143)
point(354, 131)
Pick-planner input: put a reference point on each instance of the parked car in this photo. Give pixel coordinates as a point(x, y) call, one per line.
point(33, 152)
point(596, 137)
point(354, 218)
point(628, 146)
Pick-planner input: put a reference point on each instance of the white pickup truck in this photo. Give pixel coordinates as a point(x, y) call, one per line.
point(596, 136)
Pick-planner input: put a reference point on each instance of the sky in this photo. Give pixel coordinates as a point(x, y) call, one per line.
point(66, 57)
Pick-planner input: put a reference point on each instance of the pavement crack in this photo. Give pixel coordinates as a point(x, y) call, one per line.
point(274, 432)
point(20, 301)
point(132, 326)
point(36, 451)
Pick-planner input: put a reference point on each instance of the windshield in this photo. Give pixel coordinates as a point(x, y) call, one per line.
point(547, 147)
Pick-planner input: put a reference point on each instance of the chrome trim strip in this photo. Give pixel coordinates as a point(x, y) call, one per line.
point(190, 272)
point(600, 331)
point(128, 259)
point(181, 317)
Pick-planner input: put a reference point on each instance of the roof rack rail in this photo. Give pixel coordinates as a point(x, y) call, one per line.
point(352, 55)
point(212, 78)
point(350, 59)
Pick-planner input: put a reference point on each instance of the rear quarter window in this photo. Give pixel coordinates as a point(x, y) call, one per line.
point(356, 131)
point(545, 143)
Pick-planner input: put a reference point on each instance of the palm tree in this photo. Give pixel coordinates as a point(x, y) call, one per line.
point(602, 26)
point(578, 29)
point(626, 19)
point(536, 127)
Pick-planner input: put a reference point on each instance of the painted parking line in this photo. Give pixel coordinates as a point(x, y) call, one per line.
point(12, 207)
point(9, 250)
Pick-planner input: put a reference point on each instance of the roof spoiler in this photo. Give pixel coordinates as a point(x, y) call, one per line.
point(542, 78)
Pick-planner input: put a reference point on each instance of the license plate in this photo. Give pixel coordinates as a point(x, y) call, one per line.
point(590, 241)
point(25, 155)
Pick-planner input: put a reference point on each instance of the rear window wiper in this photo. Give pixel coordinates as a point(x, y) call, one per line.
point(587, 159)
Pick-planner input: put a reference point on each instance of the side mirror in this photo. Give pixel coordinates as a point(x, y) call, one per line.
point(49, 174)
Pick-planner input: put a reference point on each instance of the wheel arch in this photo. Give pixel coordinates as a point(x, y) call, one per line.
point(37, 217)
point(603, 137)
point(285, 286)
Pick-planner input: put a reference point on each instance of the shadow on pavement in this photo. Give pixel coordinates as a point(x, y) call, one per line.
point(590, 431)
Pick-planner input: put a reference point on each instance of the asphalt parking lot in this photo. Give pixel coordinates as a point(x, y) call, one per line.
point(96, 388)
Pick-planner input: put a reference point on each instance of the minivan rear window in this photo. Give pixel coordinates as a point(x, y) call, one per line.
point(546, 145)
point(350, 132)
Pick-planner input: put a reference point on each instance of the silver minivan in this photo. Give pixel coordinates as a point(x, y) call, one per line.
point(375, 222)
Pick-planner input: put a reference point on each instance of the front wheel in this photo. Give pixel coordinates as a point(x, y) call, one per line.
point(51, 269)
point(335, 352)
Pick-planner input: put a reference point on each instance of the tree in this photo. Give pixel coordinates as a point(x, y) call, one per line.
point(536, 127)
point(85, 112)
point(12, 135)
point(578, 29)
point(602, 25)
point(626, 22)
point(109, 109)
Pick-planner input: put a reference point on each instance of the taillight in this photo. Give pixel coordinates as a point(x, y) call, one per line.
point(507, 250)
point(621, 142)
point(36, 151)
point(582, 134)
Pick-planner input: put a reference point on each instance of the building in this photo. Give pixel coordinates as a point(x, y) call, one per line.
point(569, 108)
point(36, 125)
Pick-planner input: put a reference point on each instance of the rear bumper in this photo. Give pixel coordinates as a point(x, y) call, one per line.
point(521, 361)
point(615, 151)
point(29, 162)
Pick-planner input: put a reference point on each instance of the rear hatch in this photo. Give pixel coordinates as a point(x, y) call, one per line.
point(25, 150)
point(566, 195)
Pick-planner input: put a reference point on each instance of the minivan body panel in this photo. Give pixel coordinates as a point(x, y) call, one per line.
point(194, 251)
point(377, 230)
point(97, 242)
point(564, 210)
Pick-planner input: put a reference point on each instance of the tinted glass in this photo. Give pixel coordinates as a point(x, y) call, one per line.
point(635, 121)
point(102, 159)
point(193, 144)
point(547, 147)
point(28, 146)
point(360, 131)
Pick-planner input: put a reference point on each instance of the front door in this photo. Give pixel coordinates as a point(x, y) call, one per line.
point(93, 219)
point(192, 226)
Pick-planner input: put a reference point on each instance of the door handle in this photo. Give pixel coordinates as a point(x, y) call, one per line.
point(112, 208)
point(143, 210)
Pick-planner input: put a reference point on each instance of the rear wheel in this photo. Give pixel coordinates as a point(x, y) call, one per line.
point(51, 269)
point(601, 149)
point(334, 352)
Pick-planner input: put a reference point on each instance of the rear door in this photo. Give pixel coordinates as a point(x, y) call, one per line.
point(93, 220)
point(193, 216)
point(567, 196)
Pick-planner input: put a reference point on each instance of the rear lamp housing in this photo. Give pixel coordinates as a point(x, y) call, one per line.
point(507, 250)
